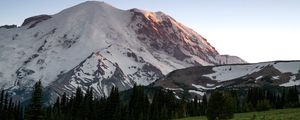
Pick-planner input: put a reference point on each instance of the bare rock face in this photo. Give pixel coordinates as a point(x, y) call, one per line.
point(33, 21)
point(8, 26)
point(162, 32)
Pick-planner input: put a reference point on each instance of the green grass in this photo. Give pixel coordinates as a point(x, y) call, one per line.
point(283, 114)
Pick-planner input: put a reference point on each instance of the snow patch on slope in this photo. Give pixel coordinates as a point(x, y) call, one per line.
point(197, 92)
point(284, 67)
point(205, 88)
point(291, 82)
point(229, 72)
point(175, 89)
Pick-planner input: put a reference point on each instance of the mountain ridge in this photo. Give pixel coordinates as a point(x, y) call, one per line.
point(200, 79)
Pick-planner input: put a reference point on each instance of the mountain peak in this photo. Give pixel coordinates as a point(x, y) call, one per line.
point(96, 4)
point(94, 44)
point(145, 12)
point(89, 7)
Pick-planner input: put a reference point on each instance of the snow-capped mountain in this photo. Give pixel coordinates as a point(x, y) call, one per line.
point(96, 45)
point(198, 80)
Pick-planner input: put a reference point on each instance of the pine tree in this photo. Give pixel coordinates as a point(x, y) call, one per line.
point(10, 109)
point(34, 111)
point(154, 110)
point(18, 111)
point(220, 106)
point(194, 107)
point(1, 104)
point(183, 107)
point(1, 100)
point(279, 101)
point(57, 109)
point(91, 104)
point(292, 97)
point(112, 110)
point(76, 104)
point(204, 105)
point(138, 104)
point(63, 103)
point(229, 106)
point(263, 105)
point(5, 104)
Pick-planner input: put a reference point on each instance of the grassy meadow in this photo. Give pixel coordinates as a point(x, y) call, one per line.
point(282, 114)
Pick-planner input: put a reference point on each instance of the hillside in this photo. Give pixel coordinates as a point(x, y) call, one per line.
point(198, 80)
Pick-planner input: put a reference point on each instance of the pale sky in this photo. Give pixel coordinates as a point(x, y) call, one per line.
point(256, 30)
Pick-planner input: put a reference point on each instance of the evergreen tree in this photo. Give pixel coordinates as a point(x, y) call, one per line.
point(34, 111)
point(278, 102)
point(263, 105)
point(10, 109)
point(292, 97)
point(194, 106)
point(63, 103)
point(1, 101)
point(183, 107)
point(1, 104)
point(229, 106)
point(100, 108)
point(204, 105)
point(112, 111)
point(220, 106)
point(5, 105)
point(76, 104)
point(138, 104)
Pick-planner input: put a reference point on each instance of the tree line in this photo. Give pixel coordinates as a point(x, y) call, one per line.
point(222, 104)
point(9, 110)
point(162, 105)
